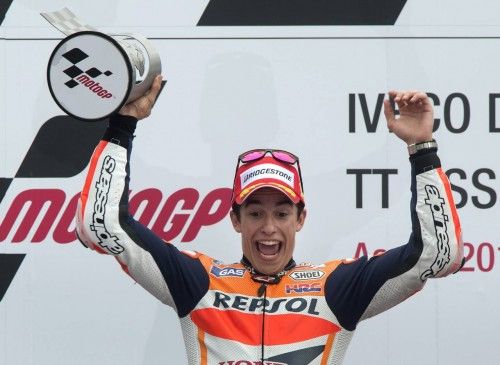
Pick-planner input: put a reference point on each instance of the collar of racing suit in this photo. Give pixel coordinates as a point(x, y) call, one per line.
point(263, 278)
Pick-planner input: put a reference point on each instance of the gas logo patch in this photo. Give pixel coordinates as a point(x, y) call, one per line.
point(227, 271)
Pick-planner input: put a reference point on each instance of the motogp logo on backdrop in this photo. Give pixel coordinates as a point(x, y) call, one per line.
point(75, 56)
point(33, 214)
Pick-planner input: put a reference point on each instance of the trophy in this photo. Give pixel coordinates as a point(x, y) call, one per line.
point(91, 74)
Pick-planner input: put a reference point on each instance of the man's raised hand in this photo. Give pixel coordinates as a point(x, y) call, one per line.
point(141, 108)
point(416, 116)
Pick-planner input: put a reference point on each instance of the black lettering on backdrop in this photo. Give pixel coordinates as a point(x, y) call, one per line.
point(457, 176)
point(481, 187)
point(456, 112)
point(359, 183)
point(452, 126)
point(476, 175)
point(385, 183)
point(436, 102)
point(493, 114)
point(465, 111)
point(371, 122)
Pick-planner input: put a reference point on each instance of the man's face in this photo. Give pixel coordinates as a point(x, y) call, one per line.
point(268, 223)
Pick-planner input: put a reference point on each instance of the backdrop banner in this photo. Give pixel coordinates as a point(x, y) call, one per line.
point(236, 80)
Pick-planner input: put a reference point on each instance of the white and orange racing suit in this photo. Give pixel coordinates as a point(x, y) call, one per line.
point(229, 314)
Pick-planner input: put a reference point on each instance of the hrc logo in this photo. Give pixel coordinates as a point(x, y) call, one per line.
point(302, 288)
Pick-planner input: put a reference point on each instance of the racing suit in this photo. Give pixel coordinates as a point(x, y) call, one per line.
point(229, 314)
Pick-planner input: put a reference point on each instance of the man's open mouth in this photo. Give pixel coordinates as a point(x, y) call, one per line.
point(268, 248)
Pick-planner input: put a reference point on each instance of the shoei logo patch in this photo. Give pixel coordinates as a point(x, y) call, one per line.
point(307, 275)
point(227, 271)
point(85, 78)
point(266, 171)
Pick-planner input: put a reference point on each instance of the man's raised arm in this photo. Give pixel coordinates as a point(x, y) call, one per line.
point(105, 225)
point(368, 286)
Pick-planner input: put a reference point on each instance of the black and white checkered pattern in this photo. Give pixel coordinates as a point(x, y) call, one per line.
point(67, 22)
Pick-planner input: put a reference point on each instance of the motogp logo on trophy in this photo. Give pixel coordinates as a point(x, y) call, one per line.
point(75, 56)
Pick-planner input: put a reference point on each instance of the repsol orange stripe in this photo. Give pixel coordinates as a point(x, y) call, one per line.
point(229, 324)
point(289, 328)
point(203, 347)
point(449, 195)
point(280, 329)
point(328, 349)
point(93, 162)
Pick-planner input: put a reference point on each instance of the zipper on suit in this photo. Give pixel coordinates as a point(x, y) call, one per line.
point(263, 290)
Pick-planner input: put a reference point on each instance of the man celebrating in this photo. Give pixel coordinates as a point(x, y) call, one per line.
point(266, 309)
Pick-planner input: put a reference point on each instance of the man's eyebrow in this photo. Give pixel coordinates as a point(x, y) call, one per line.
point(284, 201)
point(252, 201)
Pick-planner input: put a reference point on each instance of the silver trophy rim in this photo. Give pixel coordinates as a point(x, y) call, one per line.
point(122, 52)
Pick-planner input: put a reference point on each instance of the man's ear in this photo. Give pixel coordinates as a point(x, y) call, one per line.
point(301, 220)
point(235, 221)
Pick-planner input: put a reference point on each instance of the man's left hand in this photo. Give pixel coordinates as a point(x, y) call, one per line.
point(416, 116)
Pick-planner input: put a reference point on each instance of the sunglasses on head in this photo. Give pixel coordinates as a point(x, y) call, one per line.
point(257, 154)
point(278, 155)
